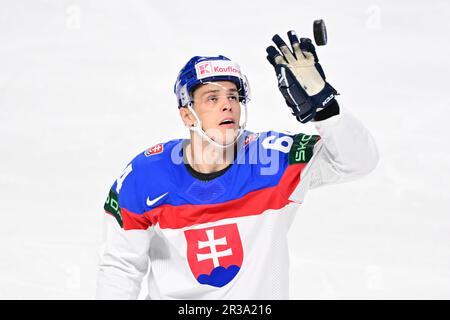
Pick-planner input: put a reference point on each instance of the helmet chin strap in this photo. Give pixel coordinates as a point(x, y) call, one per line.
point(197, 128)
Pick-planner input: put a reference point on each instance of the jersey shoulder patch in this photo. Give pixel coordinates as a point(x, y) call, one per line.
point(112, 207)
point(302, 148)
point(161, 150)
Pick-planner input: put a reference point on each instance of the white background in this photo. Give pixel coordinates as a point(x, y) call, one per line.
point(86, 85)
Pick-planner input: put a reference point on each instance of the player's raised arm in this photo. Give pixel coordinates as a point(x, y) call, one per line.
point(346, 149)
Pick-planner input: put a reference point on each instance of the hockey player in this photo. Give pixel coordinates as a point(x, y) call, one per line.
point(207, 217)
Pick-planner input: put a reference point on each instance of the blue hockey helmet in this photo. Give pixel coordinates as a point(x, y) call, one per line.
point(199, 70)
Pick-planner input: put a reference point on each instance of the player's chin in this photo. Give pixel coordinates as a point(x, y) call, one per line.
point(225, 136)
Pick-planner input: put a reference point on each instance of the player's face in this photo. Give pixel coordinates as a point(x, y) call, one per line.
point(218, 108)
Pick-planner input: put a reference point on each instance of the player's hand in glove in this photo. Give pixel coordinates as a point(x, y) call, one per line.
point(301, 79)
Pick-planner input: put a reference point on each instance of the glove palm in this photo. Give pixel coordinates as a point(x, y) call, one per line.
point(301, 79)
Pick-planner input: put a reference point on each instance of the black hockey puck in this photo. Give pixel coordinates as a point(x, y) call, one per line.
point(320, 32)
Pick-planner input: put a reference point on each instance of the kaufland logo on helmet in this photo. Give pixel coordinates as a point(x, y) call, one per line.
point(229, 69)
point(204, 68)
point(216, 68)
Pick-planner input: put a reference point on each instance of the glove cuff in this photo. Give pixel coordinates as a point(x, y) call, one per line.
point(325, 96)
point(328, 112)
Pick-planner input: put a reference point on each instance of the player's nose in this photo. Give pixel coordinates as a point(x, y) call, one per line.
point(226, 105)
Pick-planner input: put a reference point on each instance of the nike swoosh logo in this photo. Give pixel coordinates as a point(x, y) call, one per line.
point(152, 202)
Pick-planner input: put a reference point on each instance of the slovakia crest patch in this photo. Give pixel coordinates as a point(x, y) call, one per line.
point(214, 254)
point(159, 148)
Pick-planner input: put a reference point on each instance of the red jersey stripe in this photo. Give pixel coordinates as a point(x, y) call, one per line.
point(253, 203)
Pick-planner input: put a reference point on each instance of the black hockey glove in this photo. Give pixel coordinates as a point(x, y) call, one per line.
point(301, 79)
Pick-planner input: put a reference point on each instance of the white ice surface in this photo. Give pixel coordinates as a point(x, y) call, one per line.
point(86, 85)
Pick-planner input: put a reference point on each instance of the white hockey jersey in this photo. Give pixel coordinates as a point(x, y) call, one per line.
point(225, 238)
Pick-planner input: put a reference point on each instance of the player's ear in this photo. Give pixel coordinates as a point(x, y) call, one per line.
point(187, 117)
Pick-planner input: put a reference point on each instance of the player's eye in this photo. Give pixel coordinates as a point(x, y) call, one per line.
point(212, 98)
